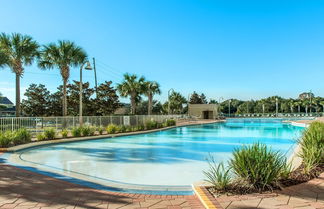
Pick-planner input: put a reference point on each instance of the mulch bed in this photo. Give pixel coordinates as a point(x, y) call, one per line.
point(296, 177)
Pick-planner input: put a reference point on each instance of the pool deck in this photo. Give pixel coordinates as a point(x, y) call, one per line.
point(24, 189)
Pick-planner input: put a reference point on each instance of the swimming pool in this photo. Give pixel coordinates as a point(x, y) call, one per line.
point(174, 157)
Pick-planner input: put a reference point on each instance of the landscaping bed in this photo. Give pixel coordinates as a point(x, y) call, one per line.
point(256, 169)
point(23, 136)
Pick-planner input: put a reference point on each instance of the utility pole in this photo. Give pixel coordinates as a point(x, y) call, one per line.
point(95, 74)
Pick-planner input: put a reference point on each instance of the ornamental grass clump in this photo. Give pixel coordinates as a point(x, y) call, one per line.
point(151, 125)
point(100, 130)
point(87, 131)
point(5, 139)
point(49, 133)
point(122, 129)
point(40, 137)
point(312, 147)
point(65, 133)
point(218, 175)
point(112, 129)
point(76, 132)
point(258, 166)
point(21, 136)
point(170, 122)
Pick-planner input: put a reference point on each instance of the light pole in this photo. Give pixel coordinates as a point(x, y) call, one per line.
point(189, 95)
point(169, 100)
point(263, 109)
point(87, 67)
point(229, 108)
point(277, 107)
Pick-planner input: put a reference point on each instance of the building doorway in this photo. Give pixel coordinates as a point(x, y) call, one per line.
point(207, 114)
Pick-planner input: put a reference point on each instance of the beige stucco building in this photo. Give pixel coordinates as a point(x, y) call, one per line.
point(203, 111)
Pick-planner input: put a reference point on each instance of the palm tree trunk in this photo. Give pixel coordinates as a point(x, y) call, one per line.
point(150, 104)
point(17, 95)
point(64, 101)
point(133, 104)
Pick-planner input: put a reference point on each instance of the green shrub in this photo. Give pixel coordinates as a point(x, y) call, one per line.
point(217, 175)
point(150, 125)
point(65, 133)
point(5, 139)
point(40, 137)
point(140, 128)
point(286, 170)
point(49, 133)
point(312, 146)
point(85, 130)
point(21, 136)
point(76, 132)
point(170, 122)
point(129, 129)
point(100, 130)
point(159, 125)
point(122, 129)
point(92, 130)
point(112, 129)
point(258, 166)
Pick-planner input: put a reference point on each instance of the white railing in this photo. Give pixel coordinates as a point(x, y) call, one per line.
point(37, 124)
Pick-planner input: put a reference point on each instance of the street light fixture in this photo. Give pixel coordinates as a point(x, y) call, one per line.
point(169, 100)
point(229, 108)
point(277, 106)
point(87, 67)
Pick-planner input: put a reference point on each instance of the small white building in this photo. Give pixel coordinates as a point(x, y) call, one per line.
point(203, 111)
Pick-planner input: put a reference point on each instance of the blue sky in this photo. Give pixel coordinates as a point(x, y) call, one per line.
point(242, 49)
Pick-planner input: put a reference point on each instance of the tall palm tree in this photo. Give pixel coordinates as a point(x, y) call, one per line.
point(17, 51)
point(322, 103)
point(150, 89)
point(291, 103)
point(306, 103)
point(63, 55)
point(297, 104)
point(176, 102)
point(131, 86)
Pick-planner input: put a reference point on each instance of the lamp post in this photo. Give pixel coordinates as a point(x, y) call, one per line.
point(169, 100)
point(189, 95)
point(277, 107)
point(229, 108)
point(87, 67)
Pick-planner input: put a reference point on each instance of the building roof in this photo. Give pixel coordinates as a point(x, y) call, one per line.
point(5, 100)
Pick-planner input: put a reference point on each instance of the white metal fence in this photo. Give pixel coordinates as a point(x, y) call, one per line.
point(37, 124)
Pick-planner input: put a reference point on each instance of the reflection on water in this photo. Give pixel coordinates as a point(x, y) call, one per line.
point(172, 157)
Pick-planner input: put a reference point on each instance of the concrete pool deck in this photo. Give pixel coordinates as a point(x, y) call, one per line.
point(24, 189)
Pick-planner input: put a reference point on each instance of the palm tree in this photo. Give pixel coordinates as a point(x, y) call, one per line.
point(306, 103)
point(291, 103)
point(176, 102)
point(150, 89)
point(132, 86)
point(63, 55)
point(17, 51)
point(297, 104)
point(322, 103)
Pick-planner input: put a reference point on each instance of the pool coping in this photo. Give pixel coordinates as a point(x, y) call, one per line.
point(122, 187)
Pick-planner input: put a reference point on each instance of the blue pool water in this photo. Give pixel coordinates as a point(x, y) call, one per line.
point(172, 157)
